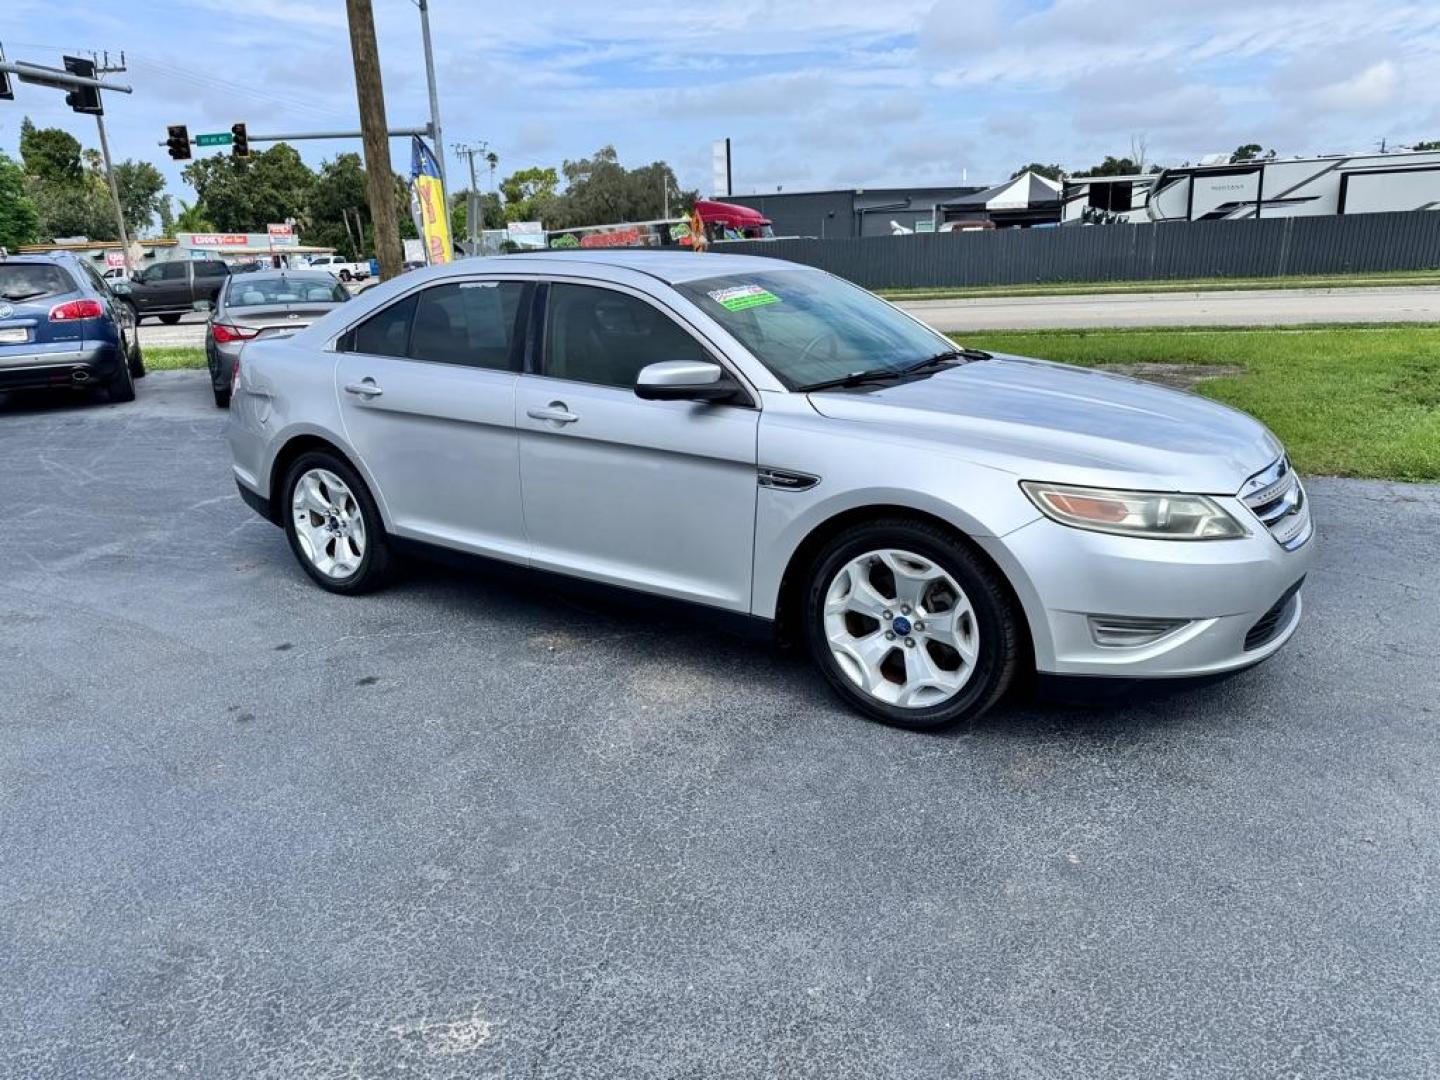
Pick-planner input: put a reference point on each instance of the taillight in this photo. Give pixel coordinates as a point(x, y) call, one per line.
point(76, 309)
point(225, 333)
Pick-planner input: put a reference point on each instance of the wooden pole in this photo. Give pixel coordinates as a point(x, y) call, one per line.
point(379, 177)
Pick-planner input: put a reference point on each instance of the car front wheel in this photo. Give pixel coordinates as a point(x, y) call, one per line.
point(333, 525)
point(909, 626)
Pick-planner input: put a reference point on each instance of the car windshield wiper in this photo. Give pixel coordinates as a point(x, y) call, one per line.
point(22, 296)
point(859, 378)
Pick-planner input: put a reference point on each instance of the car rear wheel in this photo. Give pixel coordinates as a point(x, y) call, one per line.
point(333, 525)
point(345, 275)
point(909, 626)
point(121, 386)
point(136, 358)
point(222, 397)
point(169, 320)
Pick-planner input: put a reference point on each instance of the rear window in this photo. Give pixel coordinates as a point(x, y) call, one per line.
point(255, 291)
point(33, 281)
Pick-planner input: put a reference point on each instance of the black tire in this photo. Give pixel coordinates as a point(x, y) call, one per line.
point(345, 275)
point(121, 387)
point(137, 361)
point(170, 320)
point(222, 397)
point(134, 311)
point(997, 621)
point(375, 564)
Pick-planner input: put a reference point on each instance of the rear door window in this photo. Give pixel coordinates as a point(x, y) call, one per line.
point(470, 324)
point(33, 281)
point(386, 333)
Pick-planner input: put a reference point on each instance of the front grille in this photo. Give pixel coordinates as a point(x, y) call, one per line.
point(1276, 496)
point(1269, 624)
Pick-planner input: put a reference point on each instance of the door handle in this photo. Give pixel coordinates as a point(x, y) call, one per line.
point(365, 388)
point(556, 413)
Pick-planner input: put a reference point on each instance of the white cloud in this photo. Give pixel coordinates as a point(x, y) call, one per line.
point(1372, 88)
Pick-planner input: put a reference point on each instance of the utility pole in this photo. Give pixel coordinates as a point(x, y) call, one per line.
point(379, 177)
point(103, 68)
point(474, 222)
point(424, 6)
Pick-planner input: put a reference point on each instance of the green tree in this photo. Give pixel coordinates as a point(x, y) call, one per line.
point(1433, 144)
point(50, 155)
point(1111, 166)
point(142, 197)
point(246, 194)
point(19, 220)
point(193, 217)
point(599, 190)
point(1050, 172)
point(337, 195)
point(528, 191)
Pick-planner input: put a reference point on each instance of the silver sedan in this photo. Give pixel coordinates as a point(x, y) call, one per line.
point(778, 445)
point(261, 304)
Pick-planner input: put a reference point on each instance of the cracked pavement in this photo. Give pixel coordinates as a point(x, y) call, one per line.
point(468, 827)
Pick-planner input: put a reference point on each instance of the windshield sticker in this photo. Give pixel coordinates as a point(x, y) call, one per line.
point(740, 297)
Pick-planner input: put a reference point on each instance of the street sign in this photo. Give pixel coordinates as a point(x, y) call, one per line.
point(114, 260)
point(280, 230)
point(215, 138)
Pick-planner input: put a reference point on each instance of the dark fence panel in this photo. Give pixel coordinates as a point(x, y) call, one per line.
point(1270, 247)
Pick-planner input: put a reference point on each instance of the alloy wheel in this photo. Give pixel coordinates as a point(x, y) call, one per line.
point(901, 629)
point(329, 524)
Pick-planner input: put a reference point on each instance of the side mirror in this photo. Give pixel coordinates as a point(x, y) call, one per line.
point(684, 380)
point(203, 305)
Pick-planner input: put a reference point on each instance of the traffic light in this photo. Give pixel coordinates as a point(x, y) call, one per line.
point(240, 145)
point(83, 99)
point(178, 142)
point(7, 92)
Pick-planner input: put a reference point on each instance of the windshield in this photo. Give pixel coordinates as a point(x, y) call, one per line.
point(31, 281)
point(254, 290)
point(809, 327)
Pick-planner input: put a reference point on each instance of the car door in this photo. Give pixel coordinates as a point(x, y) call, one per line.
point(207, 278)
point(656, 495)
point(426, 388)
point(165, 287)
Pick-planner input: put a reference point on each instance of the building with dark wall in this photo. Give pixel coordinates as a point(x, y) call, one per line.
point(847, 212)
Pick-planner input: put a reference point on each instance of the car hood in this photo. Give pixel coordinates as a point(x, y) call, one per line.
point(1055, 422)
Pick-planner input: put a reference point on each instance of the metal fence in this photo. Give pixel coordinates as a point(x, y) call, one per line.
point(1269, 247)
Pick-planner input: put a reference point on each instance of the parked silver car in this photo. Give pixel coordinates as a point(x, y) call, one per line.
point(258, 304)
point(773, 442)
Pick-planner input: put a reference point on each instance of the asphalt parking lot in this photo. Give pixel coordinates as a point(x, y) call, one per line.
point(469, 828)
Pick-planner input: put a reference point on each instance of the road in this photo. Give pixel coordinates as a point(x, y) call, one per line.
point(469, 828)
point(1258, 307)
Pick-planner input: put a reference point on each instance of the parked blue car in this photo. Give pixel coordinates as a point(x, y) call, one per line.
point(62, 325)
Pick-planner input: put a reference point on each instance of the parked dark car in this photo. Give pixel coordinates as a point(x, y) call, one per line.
point(61, 325)
point(169, 289)
point(259, 305)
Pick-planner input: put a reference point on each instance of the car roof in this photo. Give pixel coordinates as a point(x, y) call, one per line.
point(669, 266)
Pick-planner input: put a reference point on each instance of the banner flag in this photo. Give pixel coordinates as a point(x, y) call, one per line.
point(428, 200)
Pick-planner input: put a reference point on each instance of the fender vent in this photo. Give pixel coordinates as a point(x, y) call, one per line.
point(785, 479)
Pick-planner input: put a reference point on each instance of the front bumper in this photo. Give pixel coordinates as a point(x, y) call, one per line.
point(87, 365)
point(1233, 598)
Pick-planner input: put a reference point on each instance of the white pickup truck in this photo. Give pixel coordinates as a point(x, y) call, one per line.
point(345, 271)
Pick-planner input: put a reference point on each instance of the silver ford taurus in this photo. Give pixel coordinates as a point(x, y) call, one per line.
point(773, 442)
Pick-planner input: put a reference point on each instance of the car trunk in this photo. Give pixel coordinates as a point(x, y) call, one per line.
point(275, 319)
point(26, 329)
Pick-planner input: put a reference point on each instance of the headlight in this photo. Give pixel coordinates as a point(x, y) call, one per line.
point(1153, 514)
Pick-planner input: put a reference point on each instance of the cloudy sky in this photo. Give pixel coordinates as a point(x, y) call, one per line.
point(813, 93)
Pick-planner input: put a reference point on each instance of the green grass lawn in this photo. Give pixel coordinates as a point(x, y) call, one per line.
point(173, 357)
point(1346, 401)
point(1086, 288)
